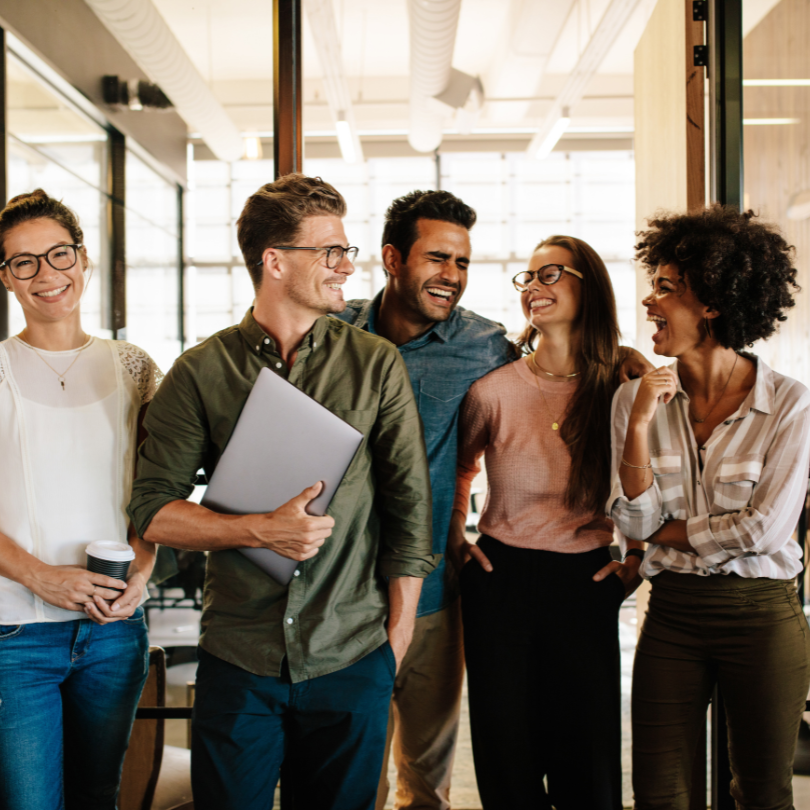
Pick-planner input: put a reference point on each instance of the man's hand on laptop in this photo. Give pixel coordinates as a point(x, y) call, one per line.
point(291, 531)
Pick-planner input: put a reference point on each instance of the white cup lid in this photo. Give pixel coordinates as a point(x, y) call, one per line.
point(110, 550)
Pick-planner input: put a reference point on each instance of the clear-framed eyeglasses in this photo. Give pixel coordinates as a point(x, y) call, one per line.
point(548, 274)
point(334, 254)
point(26, 265)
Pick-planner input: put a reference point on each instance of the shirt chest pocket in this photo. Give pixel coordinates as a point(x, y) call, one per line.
point(439, 402)
point(666, 467)
point(736, 478)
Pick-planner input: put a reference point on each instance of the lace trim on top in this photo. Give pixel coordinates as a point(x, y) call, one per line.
point(2, 370)
point(141, 367)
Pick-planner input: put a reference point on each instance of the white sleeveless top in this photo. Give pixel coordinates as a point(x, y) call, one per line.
point(66, 455)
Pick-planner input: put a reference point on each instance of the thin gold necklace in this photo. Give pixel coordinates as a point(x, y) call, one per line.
point(551, 373)
point(555, 424)
point(60, 377)
point(701, 421)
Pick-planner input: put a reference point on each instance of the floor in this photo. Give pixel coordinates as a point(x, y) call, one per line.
point(173, 628)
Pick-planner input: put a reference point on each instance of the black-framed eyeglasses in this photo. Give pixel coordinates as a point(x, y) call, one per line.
point(334, 254)
point(26, 265)
point(548, 274)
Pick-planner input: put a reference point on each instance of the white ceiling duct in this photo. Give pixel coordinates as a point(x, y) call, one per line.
point(433, 38)
point(140, 29)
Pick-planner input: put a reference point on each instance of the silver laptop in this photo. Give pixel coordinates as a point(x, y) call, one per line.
point(283, 442)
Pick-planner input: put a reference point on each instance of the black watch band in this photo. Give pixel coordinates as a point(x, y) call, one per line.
point(634, 552)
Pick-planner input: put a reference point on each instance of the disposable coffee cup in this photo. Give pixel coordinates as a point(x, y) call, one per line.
point(109, 558)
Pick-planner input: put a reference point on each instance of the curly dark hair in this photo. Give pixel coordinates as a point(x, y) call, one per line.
point(400, 229)
point(738, 266)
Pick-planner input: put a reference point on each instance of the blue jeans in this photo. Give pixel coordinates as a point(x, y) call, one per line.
point(68, 694)
point(328, 731)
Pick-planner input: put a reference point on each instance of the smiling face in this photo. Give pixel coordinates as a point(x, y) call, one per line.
point(430, 284)
point(51, 295)
point(308, 282)
point(559, 303)
point(678, 315)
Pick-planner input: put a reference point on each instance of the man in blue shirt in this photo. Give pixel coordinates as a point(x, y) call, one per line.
point(426, 255)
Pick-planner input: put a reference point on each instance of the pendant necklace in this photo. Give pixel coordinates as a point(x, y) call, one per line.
point(555, 423)
point(701, 421)
point(60, 377)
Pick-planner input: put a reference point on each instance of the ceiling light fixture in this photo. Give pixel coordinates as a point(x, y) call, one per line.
point(553, 135)
point(345, 138)
point(776, 82)
point(253, 147)
point(767, 122)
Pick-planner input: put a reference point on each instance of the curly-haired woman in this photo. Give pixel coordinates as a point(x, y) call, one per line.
point(73, 646)
point(710, 466)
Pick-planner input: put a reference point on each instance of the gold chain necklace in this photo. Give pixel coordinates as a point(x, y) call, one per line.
point(555, 424)
point(60, 377)
point(551, 373)
point(701, 421)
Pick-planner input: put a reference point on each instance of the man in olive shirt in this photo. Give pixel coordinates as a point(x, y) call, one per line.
point(302, 673)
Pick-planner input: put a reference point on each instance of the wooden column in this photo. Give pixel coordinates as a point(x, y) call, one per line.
point(288, 154)
point(669, 124)
point(3, 169)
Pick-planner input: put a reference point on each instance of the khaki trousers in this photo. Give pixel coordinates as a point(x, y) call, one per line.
point(423, 718)
point(751, 637)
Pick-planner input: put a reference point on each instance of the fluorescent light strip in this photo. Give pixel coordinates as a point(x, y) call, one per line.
point(554, 134)
point(345, 140)
point(766, 122)
point(776, 82)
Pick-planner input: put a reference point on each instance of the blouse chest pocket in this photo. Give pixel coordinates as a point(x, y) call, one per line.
point(736, 477)
point(666, 467)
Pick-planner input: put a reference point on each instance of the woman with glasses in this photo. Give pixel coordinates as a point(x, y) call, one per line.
point(73, 645)
point(540, 593)
point(710, 466)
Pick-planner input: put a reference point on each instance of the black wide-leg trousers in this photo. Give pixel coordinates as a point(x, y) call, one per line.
point(542, 650)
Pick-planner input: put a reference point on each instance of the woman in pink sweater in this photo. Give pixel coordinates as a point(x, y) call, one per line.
point(540, 594)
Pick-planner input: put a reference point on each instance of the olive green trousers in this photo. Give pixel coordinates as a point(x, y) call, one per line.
point(749, 636)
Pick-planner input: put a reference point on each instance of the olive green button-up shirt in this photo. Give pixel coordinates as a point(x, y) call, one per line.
point(334, 610)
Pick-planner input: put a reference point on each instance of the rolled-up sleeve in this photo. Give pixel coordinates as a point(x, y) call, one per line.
point(174, 450)
point(763, 527)
point(640, 517)
point(403, 496)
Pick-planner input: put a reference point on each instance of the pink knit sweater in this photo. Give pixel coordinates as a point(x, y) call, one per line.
point(505, 419)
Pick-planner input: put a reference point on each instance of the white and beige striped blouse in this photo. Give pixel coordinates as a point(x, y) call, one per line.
point(741, 493)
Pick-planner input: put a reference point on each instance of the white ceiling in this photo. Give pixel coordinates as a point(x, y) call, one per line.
point(520, 48)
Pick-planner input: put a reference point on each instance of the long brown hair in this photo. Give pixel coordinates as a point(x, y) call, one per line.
point(586, 428)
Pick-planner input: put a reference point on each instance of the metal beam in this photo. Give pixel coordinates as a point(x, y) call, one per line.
point(604, 35)
point(725, 101)
point(288, 153)
point(116, 234)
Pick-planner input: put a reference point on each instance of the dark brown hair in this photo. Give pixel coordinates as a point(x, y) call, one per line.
point(402, 217)
point(273, 215)
point(37, 205)
point(586, 427)
point(738, 266)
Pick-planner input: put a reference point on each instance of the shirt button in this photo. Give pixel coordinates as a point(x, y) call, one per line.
point(267, 341)
point(296, 573)
point(314, 345)
point(258, 348)
point(278, 365)
point(289, 621)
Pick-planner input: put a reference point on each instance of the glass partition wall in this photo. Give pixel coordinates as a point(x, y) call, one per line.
point(56, 145)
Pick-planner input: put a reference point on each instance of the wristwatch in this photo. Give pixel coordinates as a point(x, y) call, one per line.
point(634, 552)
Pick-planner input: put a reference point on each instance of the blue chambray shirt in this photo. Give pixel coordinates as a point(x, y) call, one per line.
point(442, 364)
